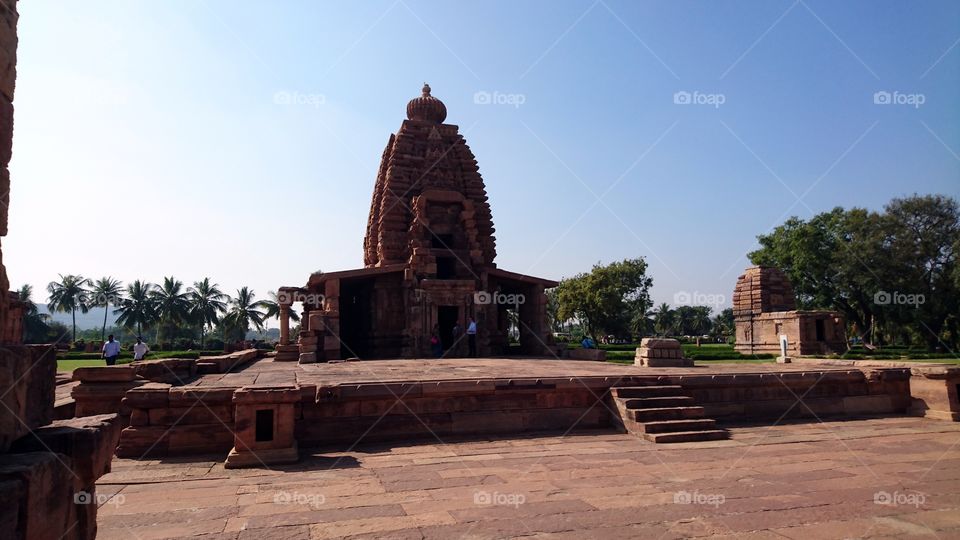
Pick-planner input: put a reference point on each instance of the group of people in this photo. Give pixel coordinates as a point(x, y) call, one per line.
point(436, 344)
point(111, 350)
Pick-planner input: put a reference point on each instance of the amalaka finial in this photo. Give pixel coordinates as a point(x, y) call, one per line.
point(426, 89)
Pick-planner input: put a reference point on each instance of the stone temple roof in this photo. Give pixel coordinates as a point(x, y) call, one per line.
point(426, 108)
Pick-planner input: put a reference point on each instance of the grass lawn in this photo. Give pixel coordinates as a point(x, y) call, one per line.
point(70, 365)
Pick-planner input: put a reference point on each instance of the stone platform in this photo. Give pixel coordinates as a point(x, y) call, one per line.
point(385, 400)
point(895, 477)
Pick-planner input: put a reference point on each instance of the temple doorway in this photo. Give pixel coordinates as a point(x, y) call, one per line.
point(447, 317)
point(356, 310)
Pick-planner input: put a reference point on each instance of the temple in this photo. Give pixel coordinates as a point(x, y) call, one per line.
point(765, 308)
point(429, 266)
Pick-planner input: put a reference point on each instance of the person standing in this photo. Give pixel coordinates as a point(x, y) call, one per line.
point(140, 349)
point(472, 337)
point(111, 350)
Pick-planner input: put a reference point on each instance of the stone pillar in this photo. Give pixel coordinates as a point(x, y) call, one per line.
point(284, 324)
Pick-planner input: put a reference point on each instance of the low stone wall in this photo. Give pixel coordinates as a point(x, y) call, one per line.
point(226, 363)
point(342, 414)
point(166, 420)
point(597, 355)
point(798, 394)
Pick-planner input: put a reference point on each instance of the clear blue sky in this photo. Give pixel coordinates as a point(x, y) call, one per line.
point(149, 140)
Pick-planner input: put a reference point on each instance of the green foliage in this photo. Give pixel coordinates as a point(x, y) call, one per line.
point(68, 295)
point(606, 300)
point(843, 259)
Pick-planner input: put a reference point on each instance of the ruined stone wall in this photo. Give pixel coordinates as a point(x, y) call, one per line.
point(8, 77)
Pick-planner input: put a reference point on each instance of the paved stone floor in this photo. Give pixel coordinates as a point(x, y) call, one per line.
point(868, 478)
point(268, 372)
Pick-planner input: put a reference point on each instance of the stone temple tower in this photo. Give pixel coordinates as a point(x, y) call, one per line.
point(428, 256)
point(429, 194)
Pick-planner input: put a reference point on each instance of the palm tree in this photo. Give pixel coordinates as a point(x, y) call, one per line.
point(137, 308)
point(68, 295)
point(172, 304)
point(700, 320)
point(206, 305)
point(271, 308)
point(35, 325)
point(243, 312)
point(663, 319)
point(106, 291)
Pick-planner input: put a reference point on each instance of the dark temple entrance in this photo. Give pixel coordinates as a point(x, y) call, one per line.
point(447, 317)
point(356, 311)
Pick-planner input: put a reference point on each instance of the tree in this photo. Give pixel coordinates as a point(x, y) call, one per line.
point(106, 291)
point(605, 300)
point(700, 320)
point(137, 309)
point(271, 308)
point(865, 263)
point(242, 313)
point(172, 305)
point(68, 295)
point(35, 327)
point(723, 326)
point(207, 303)
point(663, 319)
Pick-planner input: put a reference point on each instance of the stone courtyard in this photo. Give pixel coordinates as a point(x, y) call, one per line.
point(895, 477)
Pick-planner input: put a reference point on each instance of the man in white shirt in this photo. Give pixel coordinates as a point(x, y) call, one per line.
point(111, 350)
point(140, 349)
point(472, 337)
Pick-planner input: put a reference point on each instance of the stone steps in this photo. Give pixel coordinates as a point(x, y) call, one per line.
point(646, 391)
point(687, 436)
point(659, 402)
point(671, 426)
point(664, 414)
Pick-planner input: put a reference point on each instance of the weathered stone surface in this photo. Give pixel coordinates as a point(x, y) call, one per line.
point(89, 441)
point(27, 390)
point(42, 506)
point(105, 374)
point(661, 352)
